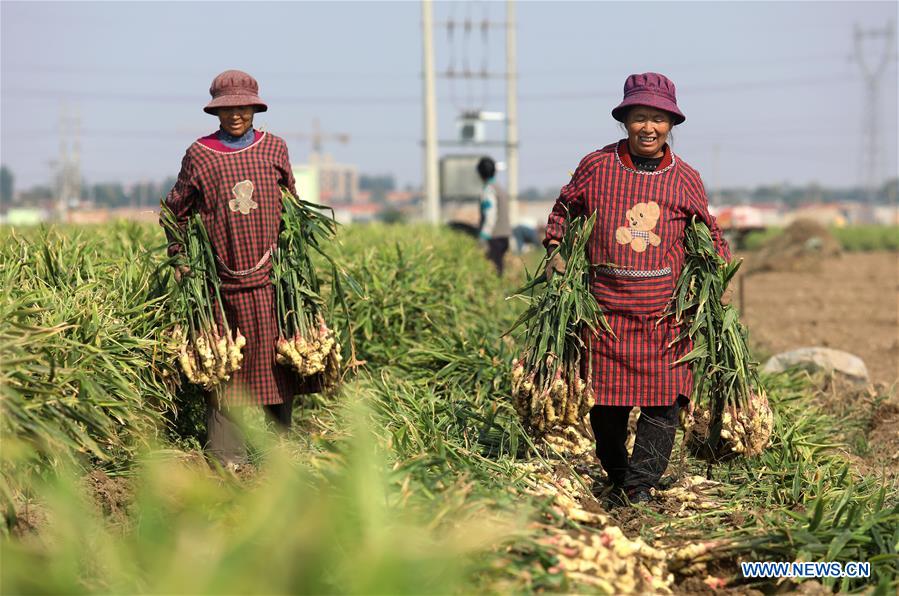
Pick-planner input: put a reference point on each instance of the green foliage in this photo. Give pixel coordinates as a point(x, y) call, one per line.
point(856, 238)
point(409, 479)
point(84, 373)
point(552, 379)
point(305, 232)
point(867, 238)
point(415, 285)
point(802, 498)
point(345, 524)
point(723, 371)
point(756, 240)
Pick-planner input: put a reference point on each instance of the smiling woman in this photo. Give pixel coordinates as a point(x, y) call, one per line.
point(647, 131)
point(236, 121)
point(643, 197)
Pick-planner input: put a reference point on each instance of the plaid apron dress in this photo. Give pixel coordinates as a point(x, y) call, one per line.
point(637, 246)
point(237, 195)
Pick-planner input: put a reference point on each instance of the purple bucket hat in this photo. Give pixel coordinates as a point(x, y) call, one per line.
point(234, 88)
point(649, 89)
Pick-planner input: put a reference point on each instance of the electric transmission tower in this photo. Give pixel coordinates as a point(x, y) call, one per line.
point(872, 154)
point(68, 174)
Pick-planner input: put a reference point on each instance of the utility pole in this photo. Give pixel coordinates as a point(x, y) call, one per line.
point(68, 168)
point(62, 167)
point(75, 172)
point(872, 151)
point(512, 111)
point(432, 198)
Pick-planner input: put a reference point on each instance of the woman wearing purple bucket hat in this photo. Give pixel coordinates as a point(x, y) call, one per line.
point(644, 196)
point(232, 178)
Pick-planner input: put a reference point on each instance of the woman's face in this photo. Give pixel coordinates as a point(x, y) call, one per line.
point(236, 121)
point(647, 131)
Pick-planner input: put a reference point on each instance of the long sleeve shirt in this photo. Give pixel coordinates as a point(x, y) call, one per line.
point(494, 212)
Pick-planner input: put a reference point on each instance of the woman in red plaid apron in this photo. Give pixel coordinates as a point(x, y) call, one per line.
point(644, 196)
point(232, 178)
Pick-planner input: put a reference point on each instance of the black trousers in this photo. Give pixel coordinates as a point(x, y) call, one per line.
point(225, 440)
point(496, 249)
point(652, 447)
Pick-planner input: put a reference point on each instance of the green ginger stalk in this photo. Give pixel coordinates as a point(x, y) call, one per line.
point(733, 413)
point(305, 342)
point(551, 381)
point(207, 354)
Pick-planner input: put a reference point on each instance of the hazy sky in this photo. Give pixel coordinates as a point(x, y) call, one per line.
point(770, 85)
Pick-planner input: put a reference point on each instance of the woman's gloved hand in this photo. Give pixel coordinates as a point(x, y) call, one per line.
point(555, 264)
point(181, 271)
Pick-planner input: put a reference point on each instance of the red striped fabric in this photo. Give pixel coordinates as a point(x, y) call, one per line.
point(208, 184)
point(638, 368)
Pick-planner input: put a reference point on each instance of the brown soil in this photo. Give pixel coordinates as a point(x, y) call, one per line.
point(31, 518)
point(869, 416)
point(849, 304)
point(112, 496)
point(804, 246)
point(884, 438)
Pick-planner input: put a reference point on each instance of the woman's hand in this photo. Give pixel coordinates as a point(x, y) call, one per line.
point(726, 297)
point(555, 264)
point(181, 271)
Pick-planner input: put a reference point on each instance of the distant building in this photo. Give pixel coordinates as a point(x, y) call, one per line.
point(306, 177)
point(746, 217)
point(23, 216)
point(103, 215)
point(401, 197)
point(357, 212)
point(337, 183)
point(826, 214)
point(887, 215)
point(535, 211)
point(325, 181)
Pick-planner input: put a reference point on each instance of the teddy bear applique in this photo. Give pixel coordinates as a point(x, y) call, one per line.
point(641, 218)
point(243, 197)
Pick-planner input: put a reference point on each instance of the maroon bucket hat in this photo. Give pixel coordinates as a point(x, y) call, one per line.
point(234, 88)
point(649, 89)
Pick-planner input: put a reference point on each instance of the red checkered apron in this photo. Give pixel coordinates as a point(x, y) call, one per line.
point(237, 195)
point(637, 246)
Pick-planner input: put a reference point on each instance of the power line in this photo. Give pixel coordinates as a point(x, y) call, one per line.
point(693, 90)
point(374, 137)
point(402, 99)
point(174, 98)
point(464, 49)
point(368, 74)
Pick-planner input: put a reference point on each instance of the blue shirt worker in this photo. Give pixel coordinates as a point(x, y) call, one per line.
point(495, 227)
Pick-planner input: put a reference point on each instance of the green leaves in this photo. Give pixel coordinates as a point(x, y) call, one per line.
point(84, 370)
point(306, 230)
point(722, 366)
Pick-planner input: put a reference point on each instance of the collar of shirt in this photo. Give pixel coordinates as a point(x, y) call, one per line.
point(240, 142)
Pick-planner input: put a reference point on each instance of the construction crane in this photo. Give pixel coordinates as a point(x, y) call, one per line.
point(318, 137)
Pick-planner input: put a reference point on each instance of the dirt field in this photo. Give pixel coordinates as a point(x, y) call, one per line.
point(849, 303)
